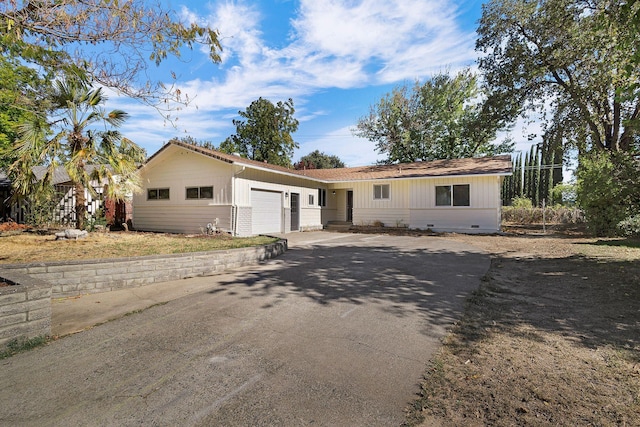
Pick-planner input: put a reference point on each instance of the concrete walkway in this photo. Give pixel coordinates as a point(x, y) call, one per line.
point(337, 331)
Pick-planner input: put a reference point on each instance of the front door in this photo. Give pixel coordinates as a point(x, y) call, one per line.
point(350, 206)
point(295, 211)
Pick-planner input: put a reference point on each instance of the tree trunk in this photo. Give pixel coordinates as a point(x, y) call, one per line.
point(81, 205)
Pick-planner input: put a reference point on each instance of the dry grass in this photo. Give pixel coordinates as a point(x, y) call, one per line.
point(552, 337)
point(29, 247)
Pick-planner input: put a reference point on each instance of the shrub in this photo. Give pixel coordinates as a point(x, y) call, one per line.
point(40, 208)
point(565, 194)
point(607, 190)
point(630, 226)
point(521, 202)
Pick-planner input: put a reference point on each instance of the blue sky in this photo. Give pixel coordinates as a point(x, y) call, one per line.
point(334, 58)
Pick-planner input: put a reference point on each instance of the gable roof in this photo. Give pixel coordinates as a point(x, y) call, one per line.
point(495, 165)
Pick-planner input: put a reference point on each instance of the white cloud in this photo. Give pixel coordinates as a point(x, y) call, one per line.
point(238, 26)
point(332, 44)
point(394, 40)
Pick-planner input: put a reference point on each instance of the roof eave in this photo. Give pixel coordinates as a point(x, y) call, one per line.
point(401, 178)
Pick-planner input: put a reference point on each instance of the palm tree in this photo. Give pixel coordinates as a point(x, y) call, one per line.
point(84, 135)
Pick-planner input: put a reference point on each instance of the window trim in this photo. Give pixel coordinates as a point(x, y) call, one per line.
point(158, 190)
point(452, 196)
point(381, 186)
point(311, 199)
point(199, 188)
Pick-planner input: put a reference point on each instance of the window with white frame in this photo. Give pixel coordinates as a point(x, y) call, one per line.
point(453, 195)
point(381, 192)
point(157, 194)
point(194, 193)
point(322, 197)
point(311, 199)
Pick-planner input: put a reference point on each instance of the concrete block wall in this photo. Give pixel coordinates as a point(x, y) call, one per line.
point(25, 307)
point(244, 227)
point(92, 276)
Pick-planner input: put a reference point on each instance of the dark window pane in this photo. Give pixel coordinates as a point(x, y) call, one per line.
point(152, 193)
point(443, 195)
point(163, 193)
point(461, 195)
point(206, 192)
point(192, 192)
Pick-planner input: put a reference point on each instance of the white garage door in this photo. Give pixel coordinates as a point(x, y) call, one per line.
point(266, 212)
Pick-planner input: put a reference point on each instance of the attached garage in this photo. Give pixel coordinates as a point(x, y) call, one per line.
point(245, 197)
point(266, 211)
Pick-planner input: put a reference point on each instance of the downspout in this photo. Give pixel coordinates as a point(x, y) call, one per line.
point(234, 206)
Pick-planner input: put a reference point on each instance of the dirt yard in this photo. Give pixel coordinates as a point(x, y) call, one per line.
point(552, 337)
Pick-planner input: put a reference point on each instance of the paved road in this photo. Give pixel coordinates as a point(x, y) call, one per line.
point(335, 332)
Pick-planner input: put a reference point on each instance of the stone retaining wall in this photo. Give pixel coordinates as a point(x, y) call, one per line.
point(25, 307)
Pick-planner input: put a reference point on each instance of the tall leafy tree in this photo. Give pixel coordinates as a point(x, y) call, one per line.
point(319, 160)
point(82, 137)
point(608, 189)
point(22, 97)
point(265, 132)
point(564, 54)
point(113, 42)
point(442, 118)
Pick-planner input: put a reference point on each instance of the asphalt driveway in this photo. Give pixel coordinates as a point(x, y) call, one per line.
point(337, 331)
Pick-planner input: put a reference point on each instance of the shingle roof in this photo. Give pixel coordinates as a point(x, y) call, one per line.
point(60, 175)
point(496, 165)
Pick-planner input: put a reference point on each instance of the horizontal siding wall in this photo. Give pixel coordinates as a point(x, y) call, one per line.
point(481, 216)
point(484, 191)
point(389, 217)
point(310, 215)
point(398, 195)
point(256, 179)
point(412, 203)
point(458, 219)
point(178, 169)
point(310, 219)
point(180, 219)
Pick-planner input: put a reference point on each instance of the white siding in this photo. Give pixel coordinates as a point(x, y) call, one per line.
point(177, 169)
point(310, 219)
point(412, 203)
point(481, 216)
point(467, 220)
point(484, 192)
point(250, 179)
point(177, 219)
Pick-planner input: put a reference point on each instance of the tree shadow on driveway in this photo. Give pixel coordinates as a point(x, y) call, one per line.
point(403, 279)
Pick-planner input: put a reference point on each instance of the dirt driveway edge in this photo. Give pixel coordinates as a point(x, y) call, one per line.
point(552, 337)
